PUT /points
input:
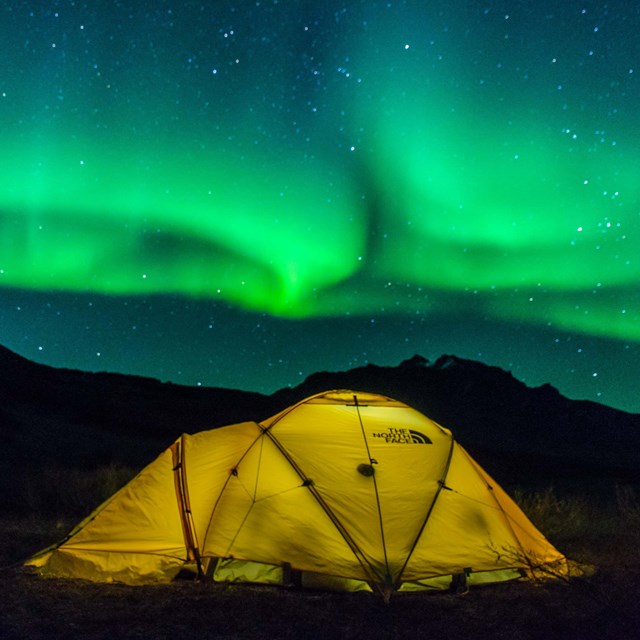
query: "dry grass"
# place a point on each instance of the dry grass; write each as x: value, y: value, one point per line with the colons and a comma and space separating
x: 604, y: 530
x: 603, y: 605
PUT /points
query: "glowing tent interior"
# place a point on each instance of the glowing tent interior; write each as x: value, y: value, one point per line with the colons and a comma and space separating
x: 343, y: 490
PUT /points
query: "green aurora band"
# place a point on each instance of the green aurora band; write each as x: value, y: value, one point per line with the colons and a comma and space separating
x: 406, y: 166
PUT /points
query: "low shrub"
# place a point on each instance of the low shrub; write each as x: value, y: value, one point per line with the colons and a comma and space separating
x: 59, y: 490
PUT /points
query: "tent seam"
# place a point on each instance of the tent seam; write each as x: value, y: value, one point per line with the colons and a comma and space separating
x: 226, y: 482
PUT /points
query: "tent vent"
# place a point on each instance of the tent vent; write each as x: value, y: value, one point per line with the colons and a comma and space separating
x: 366, y: 469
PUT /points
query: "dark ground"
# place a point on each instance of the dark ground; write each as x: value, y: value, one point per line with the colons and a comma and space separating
x: 604, y: 605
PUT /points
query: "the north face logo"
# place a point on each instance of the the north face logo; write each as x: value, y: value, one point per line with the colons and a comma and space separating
x: 399, y: 435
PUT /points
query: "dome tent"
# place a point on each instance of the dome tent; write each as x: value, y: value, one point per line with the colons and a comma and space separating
x: 343, y: 490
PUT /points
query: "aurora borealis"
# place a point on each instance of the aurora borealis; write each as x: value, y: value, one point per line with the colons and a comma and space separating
x: 240, y: 193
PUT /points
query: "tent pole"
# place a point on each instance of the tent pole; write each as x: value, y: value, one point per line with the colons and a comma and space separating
x: 388, y: 580
x: 184, y: 506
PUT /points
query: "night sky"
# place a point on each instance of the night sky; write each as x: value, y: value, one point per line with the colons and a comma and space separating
x: 239, y: 194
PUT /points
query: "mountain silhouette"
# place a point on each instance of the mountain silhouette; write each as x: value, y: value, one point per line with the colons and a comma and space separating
x: 521, y: 434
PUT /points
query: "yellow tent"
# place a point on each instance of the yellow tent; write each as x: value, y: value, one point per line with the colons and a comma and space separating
x: 343, y: 490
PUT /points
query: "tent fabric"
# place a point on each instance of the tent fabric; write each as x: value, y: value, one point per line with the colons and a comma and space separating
x: 344, y: 490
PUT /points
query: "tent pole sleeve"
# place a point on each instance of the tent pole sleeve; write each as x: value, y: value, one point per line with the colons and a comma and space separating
x: 184, y: 506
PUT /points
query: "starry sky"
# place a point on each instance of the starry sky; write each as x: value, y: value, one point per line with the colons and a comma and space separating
x: 241, y: 193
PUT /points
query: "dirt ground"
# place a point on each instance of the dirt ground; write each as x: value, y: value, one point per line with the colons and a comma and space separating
x: 603, y: 605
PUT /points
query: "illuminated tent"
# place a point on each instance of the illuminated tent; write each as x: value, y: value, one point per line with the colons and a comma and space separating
x: 343, y: 490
